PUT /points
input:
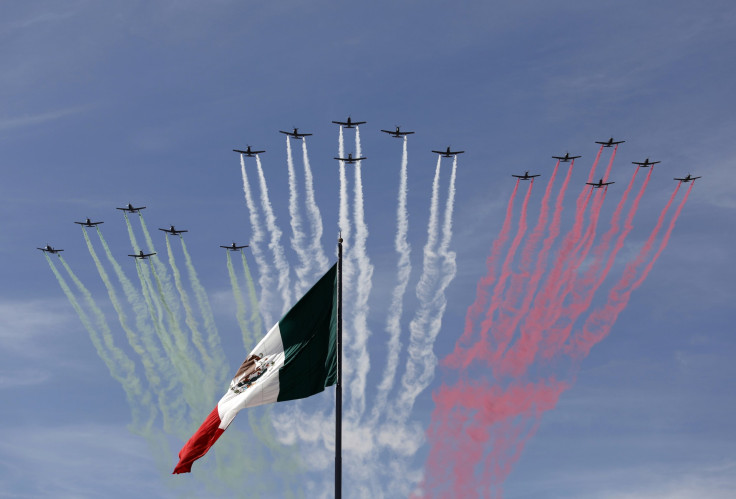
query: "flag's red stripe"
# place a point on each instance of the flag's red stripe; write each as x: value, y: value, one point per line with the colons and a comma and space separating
x: 200, y: 443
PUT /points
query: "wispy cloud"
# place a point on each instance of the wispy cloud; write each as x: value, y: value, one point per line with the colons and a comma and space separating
x: 23, y: 322
x: 24, y: 377
x: 76, y: 461
x: 27, y: 120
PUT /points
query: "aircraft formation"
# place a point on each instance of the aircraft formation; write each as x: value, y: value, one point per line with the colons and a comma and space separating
x: 396, y: 133
x: 172, y: 230
x: 448, y: 152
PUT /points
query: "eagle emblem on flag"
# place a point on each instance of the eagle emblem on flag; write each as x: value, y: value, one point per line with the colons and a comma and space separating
x: 252, y: 368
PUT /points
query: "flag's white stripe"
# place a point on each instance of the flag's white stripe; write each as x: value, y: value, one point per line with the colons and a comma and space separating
x: 266, y: 389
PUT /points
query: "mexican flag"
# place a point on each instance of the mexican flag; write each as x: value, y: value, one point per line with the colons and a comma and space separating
x: 297, y: 358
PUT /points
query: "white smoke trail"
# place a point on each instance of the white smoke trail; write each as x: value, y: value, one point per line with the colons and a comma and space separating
x: 344, y: 217
x: 420, y: 346
x: 347, y: 266
x: 315, y: 218
x: 364, y: 283
x: 266, y: 279
x: 279, y: 259
x: 401, y: 437
x: 298, y: 239
x: 403, y: 270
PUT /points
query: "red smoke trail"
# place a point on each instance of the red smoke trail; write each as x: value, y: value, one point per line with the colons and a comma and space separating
x: 527, y: 256
x: 523, y: 352
x: 507, y: 325
x: 531, y: 317
x: 599, y: 323
x: 591, y: 174
x: 551, y: 288
x: 479, y: 430
x: 587, y: 240
x: 610, y: 163
x: 603, y: 246
x: 572, y: 237
x: 496, y: 299
x: 580, y: 205
x: 462, y: 427
x: 481, y: 296
x: 555, y: 338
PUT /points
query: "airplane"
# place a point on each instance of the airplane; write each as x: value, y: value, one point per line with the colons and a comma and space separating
x: 599, y: 184
x: 350, y: 159
x: 171, y: 230
x: 448, y: 152
x: 398, y: 133
x: 610, y: 142
x: 132, y: 209
x: 49, y: 249
x: 645, y: 164
x: 349, y: 123
x: 687, y: 179
x: 234, y: 247
x: 248, y: 152
x: 142, y: 255
x: 526, y: 176
x: 295, y: 134
x: 566, y: 158
x: 89, y: 223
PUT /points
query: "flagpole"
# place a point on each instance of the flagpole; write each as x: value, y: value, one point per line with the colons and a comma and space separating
x: 338, y: 393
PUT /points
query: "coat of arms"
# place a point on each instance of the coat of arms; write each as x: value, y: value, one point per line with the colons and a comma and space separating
x: 252, y: 368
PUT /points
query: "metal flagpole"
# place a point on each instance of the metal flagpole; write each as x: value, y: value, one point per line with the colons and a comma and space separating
x: 338, y: 393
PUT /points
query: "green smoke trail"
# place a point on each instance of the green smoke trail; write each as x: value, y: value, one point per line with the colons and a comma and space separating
x: 131, y: 234
x: 154, y: 364
x: 213, y: 338
x: 145, y: 397
x: 190, y: 371
x: 160, y: 269
x: 284, y: 459
x: 191, y: 322
x: 255, y: 316
x: 120, y: 366
x: 174, y: 413
x: 190, y: 319
x: 240, y: 304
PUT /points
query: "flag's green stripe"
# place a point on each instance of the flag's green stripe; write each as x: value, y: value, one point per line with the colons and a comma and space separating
x: 309, y: 335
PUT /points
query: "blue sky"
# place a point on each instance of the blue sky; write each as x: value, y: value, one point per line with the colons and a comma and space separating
x: 142, y: 102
